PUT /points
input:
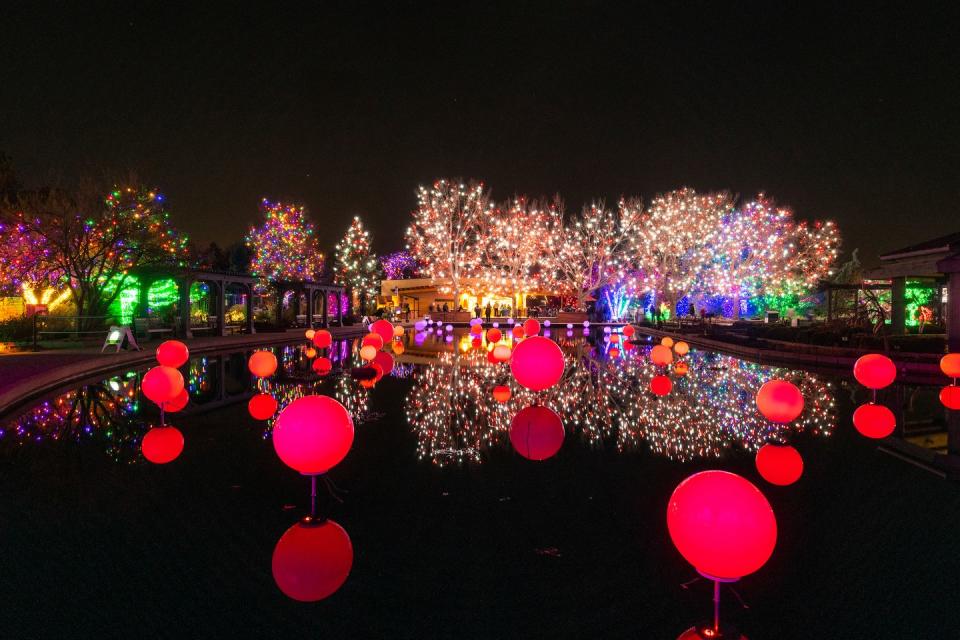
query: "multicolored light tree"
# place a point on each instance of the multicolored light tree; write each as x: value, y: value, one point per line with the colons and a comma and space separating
x: 399, y: 265
x: 285, y: 246
x: 356, y: 266
x: 444, y: 234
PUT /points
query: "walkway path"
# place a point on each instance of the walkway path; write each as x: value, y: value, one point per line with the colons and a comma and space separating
x: 27, y: 375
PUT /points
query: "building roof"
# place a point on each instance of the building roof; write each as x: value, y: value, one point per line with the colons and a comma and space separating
x: 944, y: 244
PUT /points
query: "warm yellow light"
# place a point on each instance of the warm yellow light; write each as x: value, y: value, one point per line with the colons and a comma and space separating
x: 47, y: 297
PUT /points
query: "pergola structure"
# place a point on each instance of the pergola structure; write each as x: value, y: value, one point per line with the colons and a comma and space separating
x: 218, y: 281
x: 310, y: 290
x: 937, y: 259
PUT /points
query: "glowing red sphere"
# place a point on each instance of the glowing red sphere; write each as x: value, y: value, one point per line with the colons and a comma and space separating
x: 178, y: 403
x: 162, y: 384
x: 372, y: 339
x: 492, y: 358
x: 950, y: 365
x: 667, y: 341
x: 384, y: 329
x: 682, y: 348
x: 172, y: 353
x: 476, y: 329
x: 660, y: 385
x: 368, y: 352
x: 537, y: 363
x: 874, y: 420
x: 322, y: 366
x: 614, y: 352
x: 721, y: 524
x: 161, y: 445
x: 385, y: 362
x: 262, y: 364
x: 309, y: 333
x: 681, y: 368
x: 312, y: 560
x: 476, y: 343
x: 501, y: 393
x: 536, y: 433
x: 615, y: 338
x: 312, y: 434
x: 322, y: 338
x: 780, y: 401
x: 874, y: 371
x: 518, y: 331
x: 501, y: 353
x: 950, y: 397
x: 531, y: 327
x: 629, y: 330
x: 262, y: 406
x: 661, y: 355
x: 494, y: 335
x: 779, y: 464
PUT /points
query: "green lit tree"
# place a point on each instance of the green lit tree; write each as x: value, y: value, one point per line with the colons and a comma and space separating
x: 356, y: 266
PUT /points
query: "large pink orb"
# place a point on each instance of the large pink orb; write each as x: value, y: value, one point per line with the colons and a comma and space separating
x: 780, y: 401
x: 161, y: 445
x: 162, y: 384
x: 537, y: 363
x: 312, y: 560
x: 383, y: 328
x: 172, y: 353
x: 874, y: 371
x: 312, y: 434
x: 536, y: 433
x: 721, y: 524
x: 874, y: 420
x: 779, y: 464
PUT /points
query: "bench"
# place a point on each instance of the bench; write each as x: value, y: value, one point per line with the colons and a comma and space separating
x: 147, y: 327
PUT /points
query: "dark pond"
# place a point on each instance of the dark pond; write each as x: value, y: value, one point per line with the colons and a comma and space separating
x: 454, y: 534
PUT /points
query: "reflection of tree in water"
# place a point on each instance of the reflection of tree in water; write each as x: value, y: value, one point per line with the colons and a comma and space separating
x: 710, y: 409
x: 106, y: 412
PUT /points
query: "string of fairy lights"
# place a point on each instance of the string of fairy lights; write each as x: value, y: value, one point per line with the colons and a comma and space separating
x: 285, y: 245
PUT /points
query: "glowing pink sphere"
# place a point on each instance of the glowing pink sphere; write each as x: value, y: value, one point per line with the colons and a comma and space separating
x: 162, y: 384
x: 661, y: 355
x: 531, y: 327
x: 874, y: 420
x: 721, y: 524
x: 950, y: 397
x: 172, y: 353
x: 178, y: 403
x: 262, y: 364
x: 384, y: 329
x: 874, y: 371
x: 322, y: 366
x: 262, y: 406
x: 536, y: 433
x: 537, y: 363
x: 161, y: 445
x: 312, y: 560
x: 780, y: 401
x: 779, y: 464
x: 660, y: 385
x: 313, y: 434
x: 322, y: 338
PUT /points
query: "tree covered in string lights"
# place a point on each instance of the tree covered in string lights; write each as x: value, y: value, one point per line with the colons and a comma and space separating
x: 285, y: 245
x: 595, y: 250
x: 444, y: 234
x: 399, y: 265
x: 356, y: 266
x: 91, y: 243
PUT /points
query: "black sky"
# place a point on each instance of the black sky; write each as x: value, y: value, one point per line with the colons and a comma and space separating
x: 843, y: 113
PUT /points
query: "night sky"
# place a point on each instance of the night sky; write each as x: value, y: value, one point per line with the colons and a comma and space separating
x: 852, y: 115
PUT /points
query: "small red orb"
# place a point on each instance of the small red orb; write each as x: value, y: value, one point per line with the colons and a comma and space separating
x: 536, y: 433
x: 476, y: 343
x: 161, y: 445
x: 322, y: 366
x: 874, y: 371
x: 779, y: 464
x: 614, y: 352
x: 874, y: 420
x: 172, y: 353
x: 322, y: 338
x: 383, y: 328
x: 518, y: 331
x: 262, y: 364
x: 501, y: 393
x: 501, y: 353
x: 368, y: 352
x: 312, y: 560
x: 372, y: 339
x: 537, y: 363
x: 494, y: 335
x: 660, y: 385
x: 950, y: 397
x: 162, y: 384
x: 385, y: 361
x: 721, y: 524
x: 178, y: 403
x: 780, y: 401
x: 312, y: 434
x: 615, y: 338
x: 262, y: 406
x: 629, y: 330
x: 681, y: 368
x: 476, y: 329
x: 661, y: 355
x: 531, y: 327
x: 950, y: 365
x: 492, y: 358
